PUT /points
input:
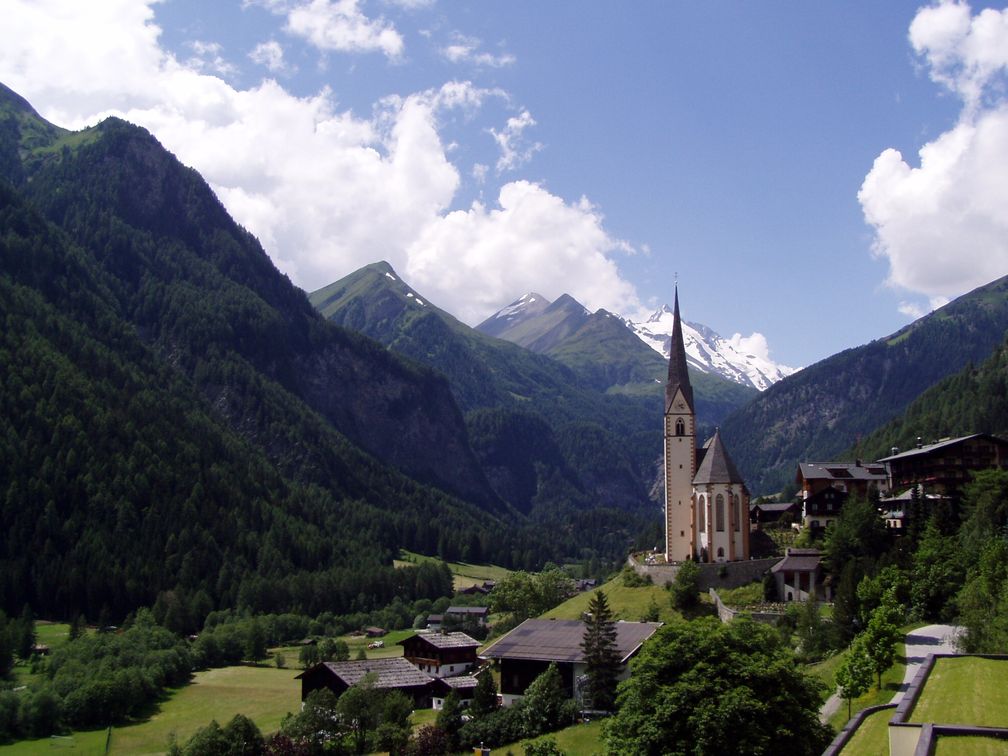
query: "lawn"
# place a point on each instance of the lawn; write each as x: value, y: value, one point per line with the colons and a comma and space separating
x: 264, y: 694
x: 626, y: 603
x: 466, y: 575
x: 86, y: 743
x: 970, y: 745
x: 967, y: 690
x: 354, y: 643
x: 872, y: 737
x: 577, y: 740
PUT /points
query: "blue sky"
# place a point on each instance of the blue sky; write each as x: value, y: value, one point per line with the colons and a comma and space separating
x: 486, y: 149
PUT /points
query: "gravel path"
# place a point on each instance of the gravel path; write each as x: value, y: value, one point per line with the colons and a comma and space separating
x: 931, y: 639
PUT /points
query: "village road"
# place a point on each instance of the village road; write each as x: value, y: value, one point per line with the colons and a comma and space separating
x: 931, y: 639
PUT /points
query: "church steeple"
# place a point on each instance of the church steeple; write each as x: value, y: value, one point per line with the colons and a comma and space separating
x: 678, y: 376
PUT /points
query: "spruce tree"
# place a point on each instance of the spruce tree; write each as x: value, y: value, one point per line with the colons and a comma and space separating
x: 601, y: 658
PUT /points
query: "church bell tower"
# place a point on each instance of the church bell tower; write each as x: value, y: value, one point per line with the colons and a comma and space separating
x: 680, y: 450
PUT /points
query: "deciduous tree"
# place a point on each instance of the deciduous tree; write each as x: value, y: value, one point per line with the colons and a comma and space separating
x: 703, y: 687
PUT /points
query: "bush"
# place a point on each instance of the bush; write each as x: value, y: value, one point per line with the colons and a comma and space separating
x: 685, y: 587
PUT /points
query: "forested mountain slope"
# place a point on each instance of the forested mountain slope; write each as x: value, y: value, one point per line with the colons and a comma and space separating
x: 544, y: 437
x: 177, y: 417
x: 826, y: 408
x: 974, y: 400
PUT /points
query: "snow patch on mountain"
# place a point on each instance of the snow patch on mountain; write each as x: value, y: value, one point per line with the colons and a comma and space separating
x: 743, y: 359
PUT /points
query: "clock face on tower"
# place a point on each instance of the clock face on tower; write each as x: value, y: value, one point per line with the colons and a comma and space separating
x: 680, y: 405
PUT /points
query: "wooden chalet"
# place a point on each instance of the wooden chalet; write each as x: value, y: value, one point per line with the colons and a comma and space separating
x: 944, y: 466
x: 527, y: 651
x: 463, y: 685
x: 768, y: 512
x: 818, y: 480
x: 394, y: 673
x: 441, y: 654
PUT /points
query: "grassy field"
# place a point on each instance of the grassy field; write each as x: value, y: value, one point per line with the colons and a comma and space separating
x: 891, y: 681
x: 965, y: 691
x: 577, y: 740
x: 872, y: 737
x: 626, y: 603
x: 970, y: 745
x: 466, y: 575
x: 264, y: 694
x: 83, y: 743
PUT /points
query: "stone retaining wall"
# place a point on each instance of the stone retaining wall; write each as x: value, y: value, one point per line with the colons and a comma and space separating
x: 718, y: 575
x: 727, y: 614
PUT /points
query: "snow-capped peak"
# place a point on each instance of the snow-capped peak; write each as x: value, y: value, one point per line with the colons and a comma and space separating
x: 743, y: 359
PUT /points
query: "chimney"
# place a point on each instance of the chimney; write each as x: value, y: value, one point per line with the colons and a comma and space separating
x: 895, y: 451
x: 919, y: 442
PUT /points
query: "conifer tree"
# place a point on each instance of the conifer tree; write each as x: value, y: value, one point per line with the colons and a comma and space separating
x: 601, y: 658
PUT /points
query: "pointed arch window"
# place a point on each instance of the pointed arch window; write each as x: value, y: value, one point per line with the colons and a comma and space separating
x: 719, y: 513
x: 702, y: 514
x: 680, y: 427
x: 737, y: 512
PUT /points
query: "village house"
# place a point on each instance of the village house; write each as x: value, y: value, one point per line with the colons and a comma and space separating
x: 395, y: 673
x: 463, y: 685
x: 944, y: 466
x: 527, y: 651
x: 441, y: 654
x: 826, y: 486
x: 462, y: 615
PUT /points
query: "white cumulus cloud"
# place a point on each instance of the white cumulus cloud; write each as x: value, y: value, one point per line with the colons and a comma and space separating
x: 326, y: 191
x: 514, y: 152
x: 467, y: 50
x: 270, y: 55
x: 340, y: 25
x: 942, y: 225
x: 530, y: 240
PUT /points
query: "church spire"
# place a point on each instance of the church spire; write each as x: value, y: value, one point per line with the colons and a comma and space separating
x: 678, y: 376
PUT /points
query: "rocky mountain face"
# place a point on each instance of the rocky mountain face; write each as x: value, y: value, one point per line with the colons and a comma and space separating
x: 710, y: 352
x: 826, y: 408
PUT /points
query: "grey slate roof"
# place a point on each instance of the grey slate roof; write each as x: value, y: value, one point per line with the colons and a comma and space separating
x: 394, y: 672
x: 927, y: 448
x: 560, y: 640
x: 799, y: 560
x: 717, y: 466
x: 841, y: 471
x: 445, y: 640
x: 678, y: 374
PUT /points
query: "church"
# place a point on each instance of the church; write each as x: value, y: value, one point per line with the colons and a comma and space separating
x: 706, y: 500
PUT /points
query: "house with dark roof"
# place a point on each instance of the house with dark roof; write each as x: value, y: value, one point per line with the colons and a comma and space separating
x: 441, y: 654
x: 395, y: 673
x: 768, y: 512
x: 463, y: 685
x: 944, y: 466
x: 825, y: 487
x: 467, y: 614
x: 799, y: 575
x: 527, y: 651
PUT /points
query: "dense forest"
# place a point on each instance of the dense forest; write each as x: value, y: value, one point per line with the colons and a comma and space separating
x: 176, y: 417
x: 974, y: 400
